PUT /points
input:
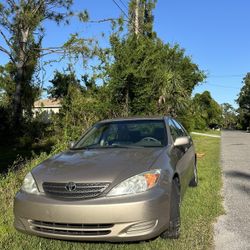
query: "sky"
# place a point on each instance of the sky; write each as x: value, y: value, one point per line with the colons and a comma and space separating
x: 214, y: 33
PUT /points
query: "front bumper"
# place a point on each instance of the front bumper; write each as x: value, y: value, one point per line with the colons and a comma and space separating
x: 128, y: 218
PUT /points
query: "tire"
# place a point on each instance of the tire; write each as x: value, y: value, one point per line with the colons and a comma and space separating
x: 173, y: 231
x: 194, y: 181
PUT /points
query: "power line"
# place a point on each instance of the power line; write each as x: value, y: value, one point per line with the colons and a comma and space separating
x: 121, y: 1
x: 114, y: 1
x: 129, y: 19
x: 209, y: 76
x: 127, y: 2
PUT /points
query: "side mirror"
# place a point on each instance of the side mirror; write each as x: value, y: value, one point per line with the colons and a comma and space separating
x: 71, y: 144
x: 181, y: 141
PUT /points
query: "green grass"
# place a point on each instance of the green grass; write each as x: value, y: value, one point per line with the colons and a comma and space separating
x: 210, y: 131
x: 199, y: 210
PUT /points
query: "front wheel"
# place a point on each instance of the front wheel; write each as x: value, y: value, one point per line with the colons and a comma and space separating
x: 173, y: 231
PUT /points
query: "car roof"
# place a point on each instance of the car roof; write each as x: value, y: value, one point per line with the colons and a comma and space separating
x: 136, y: 118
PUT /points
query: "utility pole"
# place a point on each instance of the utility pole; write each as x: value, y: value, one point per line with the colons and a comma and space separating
x: 136, y: 17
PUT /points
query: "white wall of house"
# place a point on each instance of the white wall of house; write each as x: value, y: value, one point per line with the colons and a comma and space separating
x: 45, y: 108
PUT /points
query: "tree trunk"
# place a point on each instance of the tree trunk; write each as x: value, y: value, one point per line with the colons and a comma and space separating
x: 17, y: 100
x: 20, y: 78
x: 136, y: 22
x: 127, y: 102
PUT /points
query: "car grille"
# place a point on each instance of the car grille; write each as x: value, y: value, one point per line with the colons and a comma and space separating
x: 81, y: 191
x: 71, y: 229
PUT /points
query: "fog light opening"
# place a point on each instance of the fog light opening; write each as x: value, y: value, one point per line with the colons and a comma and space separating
x: 142, y: 227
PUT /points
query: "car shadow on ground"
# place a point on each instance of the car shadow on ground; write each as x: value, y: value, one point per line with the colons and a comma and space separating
x: 238, y: 174
x: 243, y: 188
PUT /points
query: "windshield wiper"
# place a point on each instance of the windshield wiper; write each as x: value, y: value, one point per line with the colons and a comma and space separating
x: 123, y: 146
x: 106, y: 147
x: 80, y: 148
x: 117, y: 146
x: 85, y: 147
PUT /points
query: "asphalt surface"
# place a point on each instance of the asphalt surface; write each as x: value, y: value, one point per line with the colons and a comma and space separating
x: 232, y: 230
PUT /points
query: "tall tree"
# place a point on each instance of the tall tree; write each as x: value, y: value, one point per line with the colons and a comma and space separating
x: 61, y: 83
x: 207, y: 109
x: 244, y: 102
x: 141, y: 17
x: 6, y: 85
x: 148, y: 77
x: 229, y: 116
x: 22, y: 31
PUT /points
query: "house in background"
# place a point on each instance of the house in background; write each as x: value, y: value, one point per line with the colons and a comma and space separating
x: 46, y: 107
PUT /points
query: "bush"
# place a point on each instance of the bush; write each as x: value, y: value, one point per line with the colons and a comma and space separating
x: 5, y: 125
x: 79, y: 112
x: 187, y: 121
x: 200, y: 123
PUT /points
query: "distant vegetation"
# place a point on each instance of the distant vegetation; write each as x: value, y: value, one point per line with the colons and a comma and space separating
x: 244, y: 103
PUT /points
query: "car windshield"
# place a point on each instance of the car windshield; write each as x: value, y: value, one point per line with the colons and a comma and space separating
x: 129, y: 133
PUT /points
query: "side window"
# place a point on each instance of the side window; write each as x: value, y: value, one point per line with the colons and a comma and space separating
x: 93, y: 138
x: 180, y: 130
x: 184, y: 130
x: 173, y: 130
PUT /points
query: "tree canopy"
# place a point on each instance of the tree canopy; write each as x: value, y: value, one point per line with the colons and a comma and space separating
x: 244, y: 102
x: 137, y: 74
x: 61, y: 83
x: 21, y: 28
x: 146, y: 76
x: 229, y: 115
x: 207, y: 111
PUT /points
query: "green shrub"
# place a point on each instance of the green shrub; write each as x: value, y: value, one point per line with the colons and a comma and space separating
x: 200, y: 123
x: 79, y: 112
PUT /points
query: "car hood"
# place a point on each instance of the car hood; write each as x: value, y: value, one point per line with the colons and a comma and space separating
x: 96, y: 165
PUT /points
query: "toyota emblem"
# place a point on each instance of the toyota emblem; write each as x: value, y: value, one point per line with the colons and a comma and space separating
x: 71, y: 186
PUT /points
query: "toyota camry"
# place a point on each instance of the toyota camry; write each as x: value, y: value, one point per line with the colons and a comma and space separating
x: 123, y: 180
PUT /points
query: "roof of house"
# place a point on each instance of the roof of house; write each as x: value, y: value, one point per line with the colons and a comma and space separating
x: 47, y: 103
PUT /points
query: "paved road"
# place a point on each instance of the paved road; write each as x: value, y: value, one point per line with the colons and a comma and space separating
x: 232, y: 231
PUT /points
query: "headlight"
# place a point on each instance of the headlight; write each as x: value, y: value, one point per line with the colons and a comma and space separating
x: 29, y: 184
x: 136, y: 184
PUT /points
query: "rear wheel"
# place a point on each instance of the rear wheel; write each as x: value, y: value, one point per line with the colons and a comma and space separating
x: 194, y: 181
x: 173, y: 231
